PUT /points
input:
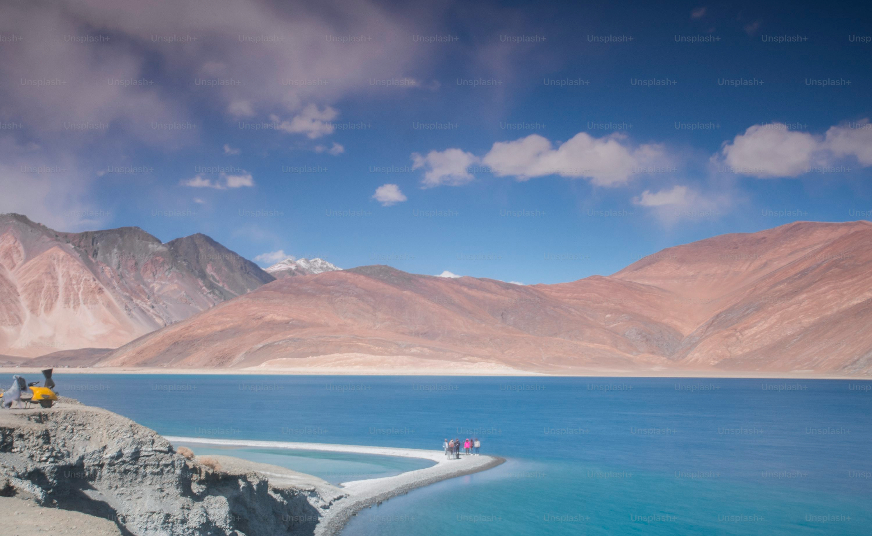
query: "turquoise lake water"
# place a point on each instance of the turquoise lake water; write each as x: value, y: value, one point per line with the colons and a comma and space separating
x: 334, y: 467
x: 585, y: 456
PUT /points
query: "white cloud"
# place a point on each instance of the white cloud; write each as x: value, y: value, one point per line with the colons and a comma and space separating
x: 201, y: 182
x: 680, y: 203
x: 389, y: 194
x: 448, y: 167
x: 771, y: 150
x: 678, y: 195
x: 335, y: 150
x: 223, y: 183
x: 277, y: 78
x: 199, y: 201
x: 228, y: 150
x: 312, y: 122
x: 698, y: 13
x: 144, y: 49
x: 240, y: 108
x: 448, y: 274
x: 852, y: 140
x: 606, y: 161
x: 271, y: 257
x: 516, y: 283
x: 56, y: 197
x: 518, y: 157
x: 238, y: 181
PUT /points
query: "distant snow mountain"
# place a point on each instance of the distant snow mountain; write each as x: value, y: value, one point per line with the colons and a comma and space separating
x: 293, y: 266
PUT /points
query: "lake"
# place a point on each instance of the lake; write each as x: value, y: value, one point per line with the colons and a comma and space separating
x: 585, y: 455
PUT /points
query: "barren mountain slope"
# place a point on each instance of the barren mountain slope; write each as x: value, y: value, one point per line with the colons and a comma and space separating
x: 63, y: 291
x: 381, y: 311
x: 794, y: 298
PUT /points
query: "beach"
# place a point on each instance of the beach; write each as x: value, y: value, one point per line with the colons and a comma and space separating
x: 447, y: 370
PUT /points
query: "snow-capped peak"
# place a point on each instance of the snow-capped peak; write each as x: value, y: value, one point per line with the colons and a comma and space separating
x: 293, y: 266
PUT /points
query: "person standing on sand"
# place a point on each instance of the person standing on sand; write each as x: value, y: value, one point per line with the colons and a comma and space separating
x: 457, y: 448
x: 476, y: 443
x: 445, y: 447
x: 466, y: 446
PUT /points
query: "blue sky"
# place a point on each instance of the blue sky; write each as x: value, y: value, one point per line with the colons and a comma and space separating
x: 525, y: 142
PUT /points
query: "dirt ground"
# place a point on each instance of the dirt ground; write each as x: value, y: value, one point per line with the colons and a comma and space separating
x: 24, y: 518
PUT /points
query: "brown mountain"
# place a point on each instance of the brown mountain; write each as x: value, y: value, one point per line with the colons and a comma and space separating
x: 797, y: 298
x: 64, y: 291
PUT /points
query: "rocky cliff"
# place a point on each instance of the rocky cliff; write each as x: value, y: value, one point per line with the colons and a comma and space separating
x: 88, y: 460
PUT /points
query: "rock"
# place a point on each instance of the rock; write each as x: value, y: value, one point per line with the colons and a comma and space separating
x: 95, y: 462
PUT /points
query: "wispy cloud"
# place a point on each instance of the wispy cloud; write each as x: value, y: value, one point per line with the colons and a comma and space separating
x: 336, y: 149
x: 678, y: 195
x: 686, y: 203
x: 312, y: 122
x: 752, y: 27
x: 272, y: 257
x: 224, y: 181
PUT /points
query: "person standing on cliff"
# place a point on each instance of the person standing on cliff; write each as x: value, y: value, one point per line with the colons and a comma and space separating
x: 477, y: 445
x: 13, y: 394
x: 445, y: 445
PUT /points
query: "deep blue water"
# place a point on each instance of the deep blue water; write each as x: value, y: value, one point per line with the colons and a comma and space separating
x: 586, y: 456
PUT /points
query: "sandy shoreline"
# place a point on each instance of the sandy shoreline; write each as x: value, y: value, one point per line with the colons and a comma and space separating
x: 687, y: 374
x: 365, y: 493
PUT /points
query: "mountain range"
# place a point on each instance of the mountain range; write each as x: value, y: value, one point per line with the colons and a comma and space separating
x: 62, y: 291
x: 793, y: 299
x: 797, y: 298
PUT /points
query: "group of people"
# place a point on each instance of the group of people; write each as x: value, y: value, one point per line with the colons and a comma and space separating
x: 452, y: 447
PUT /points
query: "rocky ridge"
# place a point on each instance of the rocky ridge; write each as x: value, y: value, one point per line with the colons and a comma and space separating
x: 89, y: 460
x: 101, y: 289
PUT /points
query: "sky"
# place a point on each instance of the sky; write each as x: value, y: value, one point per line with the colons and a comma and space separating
x: 522, y: 141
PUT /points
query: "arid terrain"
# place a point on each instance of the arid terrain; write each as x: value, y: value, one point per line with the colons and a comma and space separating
x: 795, y: 299
x: 791, y: 299
x: 63, y: 291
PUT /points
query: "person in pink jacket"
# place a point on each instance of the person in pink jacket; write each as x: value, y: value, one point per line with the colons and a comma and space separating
x: 466, y: 445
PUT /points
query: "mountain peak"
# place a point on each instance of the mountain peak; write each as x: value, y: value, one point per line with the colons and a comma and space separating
x: 104, y: 288
x: 292, y: 266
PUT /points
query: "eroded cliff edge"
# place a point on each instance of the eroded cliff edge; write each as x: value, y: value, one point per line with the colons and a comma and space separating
x: 89, y: 460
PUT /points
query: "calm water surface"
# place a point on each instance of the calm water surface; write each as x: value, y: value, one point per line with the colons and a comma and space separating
x: 585, y: 456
